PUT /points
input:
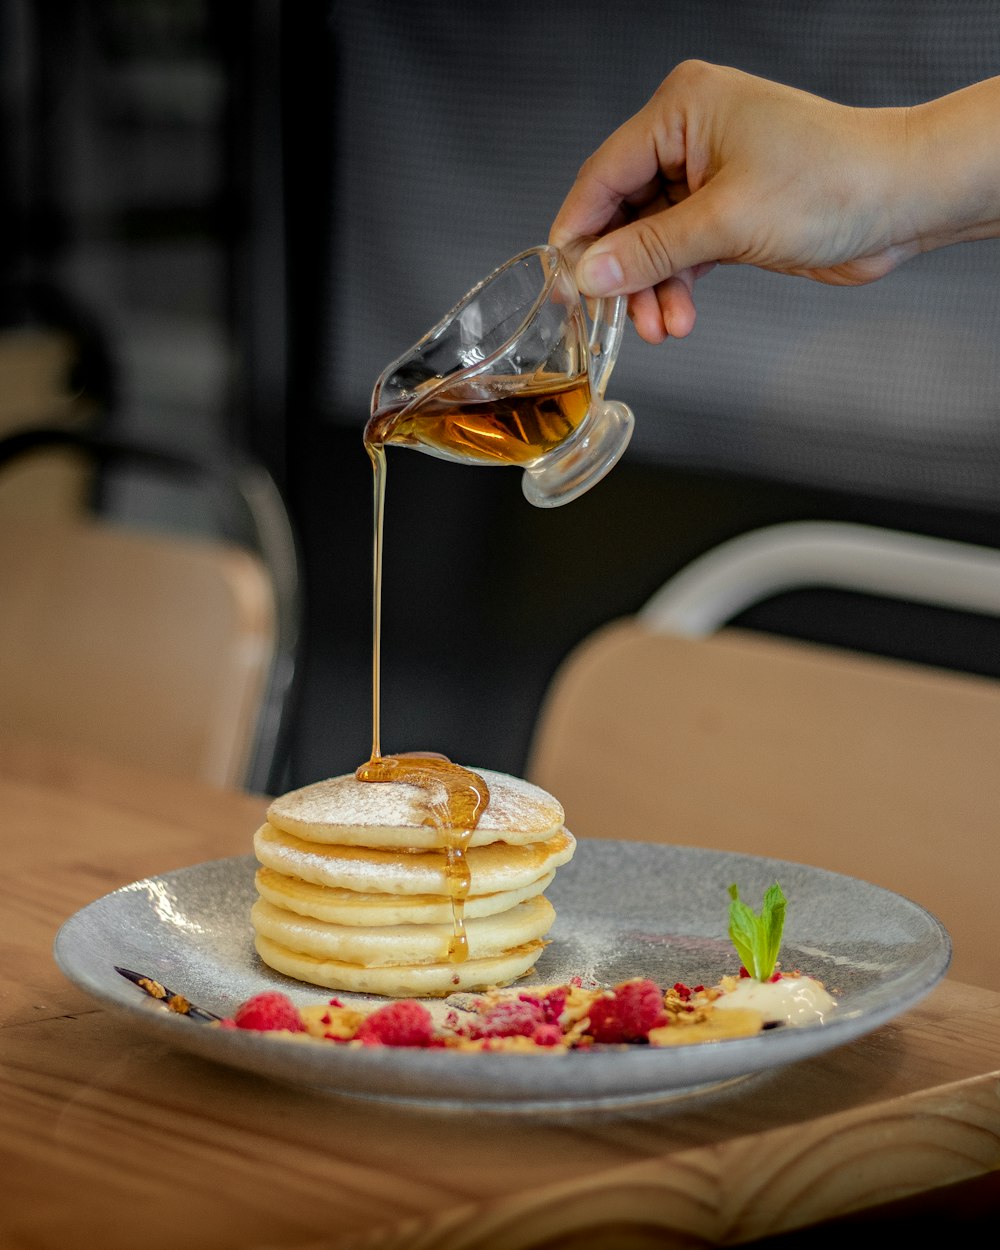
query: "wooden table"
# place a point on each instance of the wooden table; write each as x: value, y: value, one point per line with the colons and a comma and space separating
x: 110, y: 1139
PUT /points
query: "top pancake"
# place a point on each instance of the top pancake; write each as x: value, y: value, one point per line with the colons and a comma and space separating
x: 346, y: 812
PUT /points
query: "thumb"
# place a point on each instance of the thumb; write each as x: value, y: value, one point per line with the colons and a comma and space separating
x: 652, y: 249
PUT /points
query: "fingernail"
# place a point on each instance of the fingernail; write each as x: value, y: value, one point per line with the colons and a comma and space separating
x: 600, y: 274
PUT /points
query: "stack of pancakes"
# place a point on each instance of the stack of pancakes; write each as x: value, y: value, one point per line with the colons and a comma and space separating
x: 354, y: 892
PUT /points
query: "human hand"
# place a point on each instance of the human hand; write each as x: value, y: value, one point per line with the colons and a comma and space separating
x: 720, y: 167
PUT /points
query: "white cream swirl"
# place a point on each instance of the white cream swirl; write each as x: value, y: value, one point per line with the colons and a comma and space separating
x: 792, y: 999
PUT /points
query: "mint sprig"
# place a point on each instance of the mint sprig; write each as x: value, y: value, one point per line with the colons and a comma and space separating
x: 757, y: 938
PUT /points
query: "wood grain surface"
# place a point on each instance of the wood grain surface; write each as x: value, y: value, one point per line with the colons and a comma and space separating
x: 110, y: 1139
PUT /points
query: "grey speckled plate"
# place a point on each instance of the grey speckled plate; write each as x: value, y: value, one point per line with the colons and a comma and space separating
x: 624, y: 909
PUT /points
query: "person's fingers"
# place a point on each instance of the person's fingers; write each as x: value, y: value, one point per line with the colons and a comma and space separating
x: 644, y: 311
x: 667, y: 310
x: 622, y: 175
x: 675, y: 298
x: 694, y: 232
x: 590, y: 209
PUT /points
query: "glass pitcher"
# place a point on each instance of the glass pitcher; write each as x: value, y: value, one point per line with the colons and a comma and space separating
x: 511, y: 376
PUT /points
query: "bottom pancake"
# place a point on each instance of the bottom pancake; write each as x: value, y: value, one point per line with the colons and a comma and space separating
x: 404, y: 980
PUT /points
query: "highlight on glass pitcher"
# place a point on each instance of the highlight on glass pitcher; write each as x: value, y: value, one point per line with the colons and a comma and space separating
x: 511, y: 376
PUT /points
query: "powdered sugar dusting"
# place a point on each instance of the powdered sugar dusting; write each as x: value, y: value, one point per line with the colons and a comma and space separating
x: 515, y: 806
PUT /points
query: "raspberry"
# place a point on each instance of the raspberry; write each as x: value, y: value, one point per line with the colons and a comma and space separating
x: 269, y: 1011
x: 551, y: 1005
x: 633, y: 1008
x: 547, y: 1035
x: 519, y: 1018
x: 402, y: 1023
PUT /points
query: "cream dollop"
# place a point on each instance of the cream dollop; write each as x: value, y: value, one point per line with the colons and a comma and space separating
x: 793, y: 1000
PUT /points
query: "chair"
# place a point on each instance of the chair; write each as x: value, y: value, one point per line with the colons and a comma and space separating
x: 171, y: 650
x: 672, y: 725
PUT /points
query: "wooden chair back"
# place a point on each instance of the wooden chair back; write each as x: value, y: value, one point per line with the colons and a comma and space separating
x: 880, y: 769
x: 149, y: 648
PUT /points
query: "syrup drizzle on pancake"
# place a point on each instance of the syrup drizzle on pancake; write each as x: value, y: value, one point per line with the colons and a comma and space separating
x: 465, y: 794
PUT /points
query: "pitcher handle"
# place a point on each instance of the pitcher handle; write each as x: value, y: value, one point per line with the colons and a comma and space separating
x: 607, y: 327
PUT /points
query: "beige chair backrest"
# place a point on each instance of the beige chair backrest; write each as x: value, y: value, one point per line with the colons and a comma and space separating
x: 149, y: 648
x: 884, y: 770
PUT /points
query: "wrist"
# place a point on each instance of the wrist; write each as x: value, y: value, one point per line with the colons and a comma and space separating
x: 951, y: 172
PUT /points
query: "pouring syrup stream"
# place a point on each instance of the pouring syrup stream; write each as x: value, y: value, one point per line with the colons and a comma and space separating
x: 454, y: 797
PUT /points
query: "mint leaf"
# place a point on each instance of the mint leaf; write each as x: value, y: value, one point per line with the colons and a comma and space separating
x: 757, y: 938
x: 742, y: 930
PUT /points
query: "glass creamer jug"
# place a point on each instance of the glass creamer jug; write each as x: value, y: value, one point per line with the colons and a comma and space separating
x: 511, y: 376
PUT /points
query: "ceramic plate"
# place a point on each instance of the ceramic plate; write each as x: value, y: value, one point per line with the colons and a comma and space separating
x: 624, y: 909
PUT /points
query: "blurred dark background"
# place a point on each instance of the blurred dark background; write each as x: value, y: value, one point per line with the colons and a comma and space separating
x: 243, y: 211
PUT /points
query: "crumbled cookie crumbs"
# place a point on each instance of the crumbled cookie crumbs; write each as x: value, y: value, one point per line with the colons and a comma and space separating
x: 543, y: 1020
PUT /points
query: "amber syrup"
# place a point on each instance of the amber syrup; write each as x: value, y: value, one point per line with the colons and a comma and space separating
x: 505, y: 420
x: 454, y: 797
